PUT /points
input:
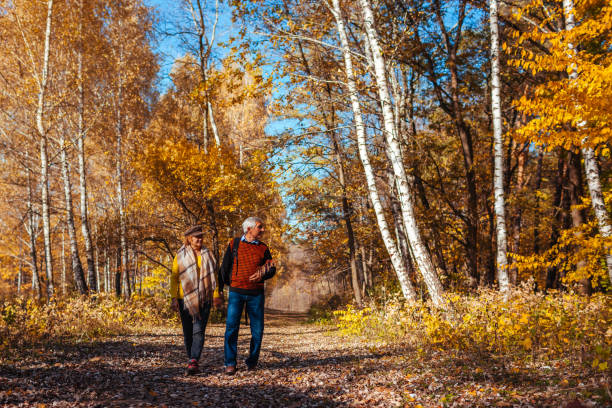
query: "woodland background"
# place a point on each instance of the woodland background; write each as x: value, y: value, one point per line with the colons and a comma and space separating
x: 448, y: 155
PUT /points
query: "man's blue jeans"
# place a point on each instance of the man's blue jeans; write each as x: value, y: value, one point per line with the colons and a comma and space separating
x: 255, y: 310
x: 194, y: 329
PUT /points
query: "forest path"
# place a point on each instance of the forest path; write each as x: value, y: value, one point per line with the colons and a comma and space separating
x: 300, y: 366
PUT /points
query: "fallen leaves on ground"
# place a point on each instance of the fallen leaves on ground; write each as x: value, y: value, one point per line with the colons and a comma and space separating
x: 300, y: 366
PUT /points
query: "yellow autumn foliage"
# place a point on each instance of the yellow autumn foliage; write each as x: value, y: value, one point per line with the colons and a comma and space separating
x: 525, y: 327
x: 26, y: 322
x: 563, y: 111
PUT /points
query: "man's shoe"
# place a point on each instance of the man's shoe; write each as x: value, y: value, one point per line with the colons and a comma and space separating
x: 251, y: 367
x: 193, y: 367
x: 230, y: 370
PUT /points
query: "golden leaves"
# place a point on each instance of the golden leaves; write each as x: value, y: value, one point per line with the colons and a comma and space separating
x: 573, y: 106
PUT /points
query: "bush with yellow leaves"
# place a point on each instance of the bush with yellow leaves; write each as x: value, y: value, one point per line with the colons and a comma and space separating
x: 25, y: 322
x: 526, y: 326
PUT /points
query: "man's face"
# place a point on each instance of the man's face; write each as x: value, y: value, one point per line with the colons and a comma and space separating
x: 257, y: 231
x: 195, y: 242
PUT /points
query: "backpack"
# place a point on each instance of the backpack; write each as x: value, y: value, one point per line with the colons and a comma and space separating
x: 227, y: 278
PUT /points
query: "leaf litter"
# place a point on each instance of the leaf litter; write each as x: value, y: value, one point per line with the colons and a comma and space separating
x: 300, y: 366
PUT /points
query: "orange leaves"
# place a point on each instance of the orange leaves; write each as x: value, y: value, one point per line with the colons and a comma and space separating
x: 566, y: 111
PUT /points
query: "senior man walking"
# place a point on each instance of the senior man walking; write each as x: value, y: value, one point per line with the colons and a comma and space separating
x: 247, y: 263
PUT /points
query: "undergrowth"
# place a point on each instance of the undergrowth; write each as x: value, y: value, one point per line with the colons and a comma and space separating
x: 26, y: 322
x: 526, y: 327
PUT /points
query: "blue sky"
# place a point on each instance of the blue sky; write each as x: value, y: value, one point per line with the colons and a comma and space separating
x: 170, y: 13
x: 170, y: 46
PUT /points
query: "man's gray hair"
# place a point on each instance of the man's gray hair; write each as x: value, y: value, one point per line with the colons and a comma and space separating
x: 250, y: 222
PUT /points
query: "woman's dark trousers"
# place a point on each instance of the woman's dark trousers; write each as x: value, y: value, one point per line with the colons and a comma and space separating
x: 194, y: 329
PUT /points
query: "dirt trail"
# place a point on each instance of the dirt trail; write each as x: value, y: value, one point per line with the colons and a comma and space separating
x: 300, y: 366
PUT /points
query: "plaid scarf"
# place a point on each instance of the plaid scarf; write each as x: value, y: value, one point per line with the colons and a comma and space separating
x: 196, y: 291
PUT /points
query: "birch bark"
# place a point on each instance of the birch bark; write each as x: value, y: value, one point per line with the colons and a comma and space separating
x: 44, y: 175
x: 63, y: 263
x: 77, y: 267
x: 498, y: 143
x: 36, y: 289
x: 422, y: 259
x: 396, y: 260
x: 91, y: 274
x: 588, y: 154
x: 213, y: 125
x: 122, y: 284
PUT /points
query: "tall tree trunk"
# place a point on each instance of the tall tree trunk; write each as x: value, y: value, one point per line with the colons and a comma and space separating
x: 44, y: 175
x: 97, y: 268
x: 107, y: 277
x: 398, y: 265
x: 63, y: 262
x: 455, y: 111
x: 597, y: 201
x: 538, y: 185
x: 346, y: 215
x: 416, y: 173
x: 422, y: 259
x: 498, y: 142
x: 118, y: 273
x: 517, y: 219
x: 36, y: 289
x: 91, y: 274
x: 347, y: 209
x: 578, y: 217
x: 213, y: 125
x: 205, y: 130
x: 562, y: 219
x: 418, y: 183
x: 77, y: 267
x: 588, y: 154
x: 123, y: 251
x: 398, y: 224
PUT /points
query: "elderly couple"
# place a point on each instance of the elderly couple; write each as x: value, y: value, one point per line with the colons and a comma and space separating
x: 247, y: 263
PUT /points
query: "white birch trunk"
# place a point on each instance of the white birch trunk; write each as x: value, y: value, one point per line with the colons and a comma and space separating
x: 123, y: 283
x: 422, y: 259
x: 97, y: 267
x: 36, y: 290
x: 498, y: 143
x: 122, y: 227
x: 396, y: 260
x: 44, y: 175
x: 77, y: 267
x: 588, y: 154
x: 213, y: 125
x: 63, y: 263
x: 91, y: 276
x: 205, y: 130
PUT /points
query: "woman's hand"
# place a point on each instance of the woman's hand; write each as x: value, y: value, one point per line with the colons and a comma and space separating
x: 218, y: 301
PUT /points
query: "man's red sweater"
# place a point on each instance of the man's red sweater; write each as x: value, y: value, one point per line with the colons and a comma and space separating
x: 249, y: 258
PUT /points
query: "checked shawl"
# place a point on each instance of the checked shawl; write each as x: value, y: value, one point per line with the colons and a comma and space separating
x: 197, y: 287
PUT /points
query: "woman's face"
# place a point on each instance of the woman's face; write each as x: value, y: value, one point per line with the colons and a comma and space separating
x: 195, y: 242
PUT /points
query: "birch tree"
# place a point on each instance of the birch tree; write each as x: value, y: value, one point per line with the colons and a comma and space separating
x: 422, y: 259
x: 80, y: 144
x: 76, y: 266
x: 397, y: 262
x: 498, y: 143
x: 44, y: 162
x: 588, y: 153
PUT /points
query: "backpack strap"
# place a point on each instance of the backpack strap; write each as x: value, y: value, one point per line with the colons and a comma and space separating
x: 234, y: 256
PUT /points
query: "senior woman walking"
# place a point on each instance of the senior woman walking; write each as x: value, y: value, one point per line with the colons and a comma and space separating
x: 192, y: 284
